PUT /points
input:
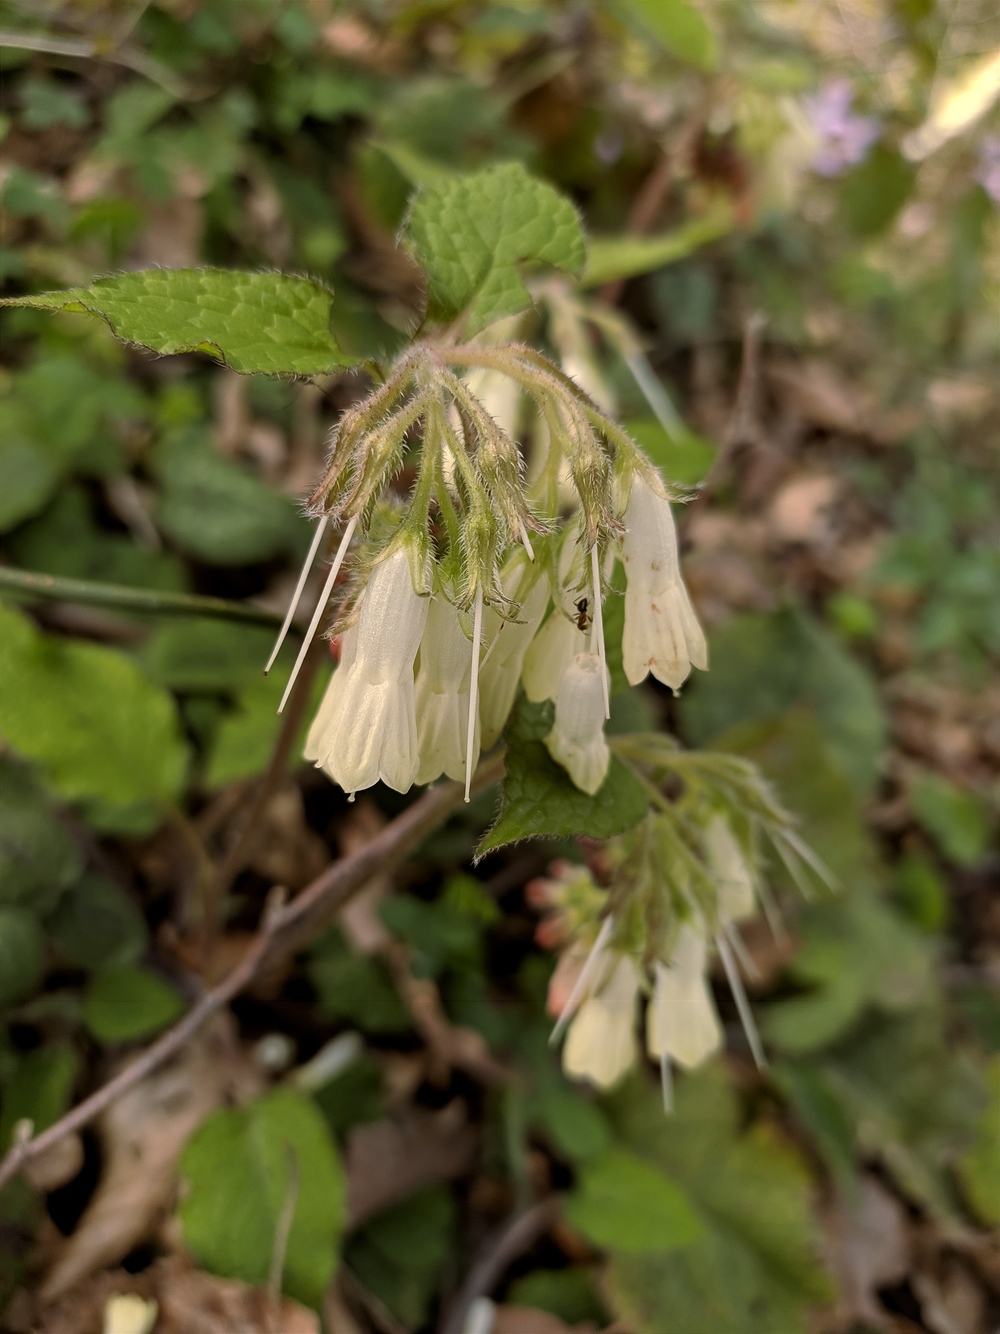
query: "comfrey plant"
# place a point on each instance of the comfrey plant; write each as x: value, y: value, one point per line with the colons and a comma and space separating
x: 489, y: 577
x: 453, y: 585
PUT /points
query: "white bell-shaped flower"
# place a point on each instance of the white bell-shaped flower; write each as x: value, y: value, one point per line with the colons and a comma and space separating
x: 577, y: 740
x: 560, y: 639
x: 600, y: 1043
x: 334, y: 689
x: 509, y: 642
x: 442, y: 695
x: 371, y: 730
x: 732, y: 875
x: 662, y: 634
x: 681, y: 1021
x: 549, y: 654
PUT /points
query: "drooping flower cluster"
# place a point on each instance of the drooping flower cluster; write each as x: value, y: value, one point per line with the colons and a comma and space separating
x: 492, y: 572
x: 642, y: 921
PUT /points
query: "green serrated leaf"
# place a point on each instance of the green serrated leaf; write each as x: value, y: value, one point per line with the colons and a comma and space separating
x: 471, y: 233
x: 239, y: 1173
x: 539, y: 800
x: 96, y: 727
x: 755, y: 1269
x: 126, y: 1003
x: 625, y: 1204
x: 267, y: 322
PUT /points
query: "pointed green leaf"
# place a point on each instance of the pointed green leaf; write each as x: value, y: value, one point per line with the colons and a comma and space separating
x: 610, y: 258
x: 126, y: 1003
x: 268, y: 322
x: 626, y: 1204
x: 539, y: 799
x: 470, y: 234
x: 95, y: 726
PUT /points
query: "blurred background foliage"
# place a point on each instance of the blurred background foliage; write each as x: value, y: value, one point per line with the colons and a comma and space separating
x: 797, y: 207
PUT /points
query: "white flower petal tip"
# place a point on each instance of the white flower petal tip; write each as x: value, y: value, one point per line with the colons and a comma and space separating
x: 577, y: 740
x: 681, y: 1022
x: 442, y: 695
x: 366, y: 728
x: 732, y: 875
x: 601, y: 1043
x: 662, y: 634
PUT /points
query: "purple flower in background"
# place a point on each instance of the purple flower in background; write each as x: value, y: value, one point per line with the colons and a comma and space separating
x: 988, y: 171
x: 845, y: 137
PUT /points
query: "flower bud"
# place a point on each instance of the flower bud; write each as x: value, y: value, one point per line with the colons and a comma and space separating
x: 733, y: 879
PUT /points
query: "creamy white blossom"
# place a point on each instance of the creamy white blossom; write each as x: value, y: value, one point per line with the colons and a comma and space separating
x: 549, y: 654
x: 600, y: 1043
x: 508, y: 642
x: 662, y: 634
x: 577, y: 740
x: 442, y: 695
x: 371, y: 730
x: 348, y: 652
x: 733, y: 878
x: 681, y: 1021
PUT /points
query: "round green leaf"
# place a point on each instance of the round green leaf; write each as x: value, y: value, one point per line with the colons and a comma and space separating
x: 241, y: 1166
x: 128, y: 1003
x: 22, y: 954
x: 96, y: 925
x: 625, y: 1204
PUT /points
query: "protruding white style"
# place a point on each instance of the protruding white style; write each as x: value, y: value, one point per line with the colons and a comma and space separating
x: 526, y: 542
x: 584, y: 978
x: 733, y: 877
x: 371, y: 730
x: 321, y: 605
x: 681, y: 1021
x: 577, y: 740
x: 662, y: 634
x: 504, y: 659
x: 595, y: 579
x: 442, y: 695
x: 296, y: 596
x: 473, y: 724
x: 601, y: 1045
x: 742, y: 1004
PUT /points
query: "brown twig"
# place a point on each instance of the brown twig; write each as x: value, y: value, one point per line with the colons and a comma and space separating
x: 512, y: 1240
x: 285, y: 928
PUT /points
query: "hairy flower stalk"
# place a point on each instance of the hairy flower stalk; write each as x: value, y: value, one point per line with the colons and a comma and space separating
x: 475, y: 504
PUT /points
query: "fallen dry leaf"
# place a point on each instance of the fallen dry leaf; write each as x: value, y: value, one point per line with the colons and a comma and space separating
x: 388, y: 1160
x: 142, y: 1134
x: 189, y: 1301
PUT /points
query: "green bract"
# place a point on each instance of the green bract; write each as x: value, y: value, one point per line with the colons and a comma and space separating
x: 268, y: 322
x: 470, y: 234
